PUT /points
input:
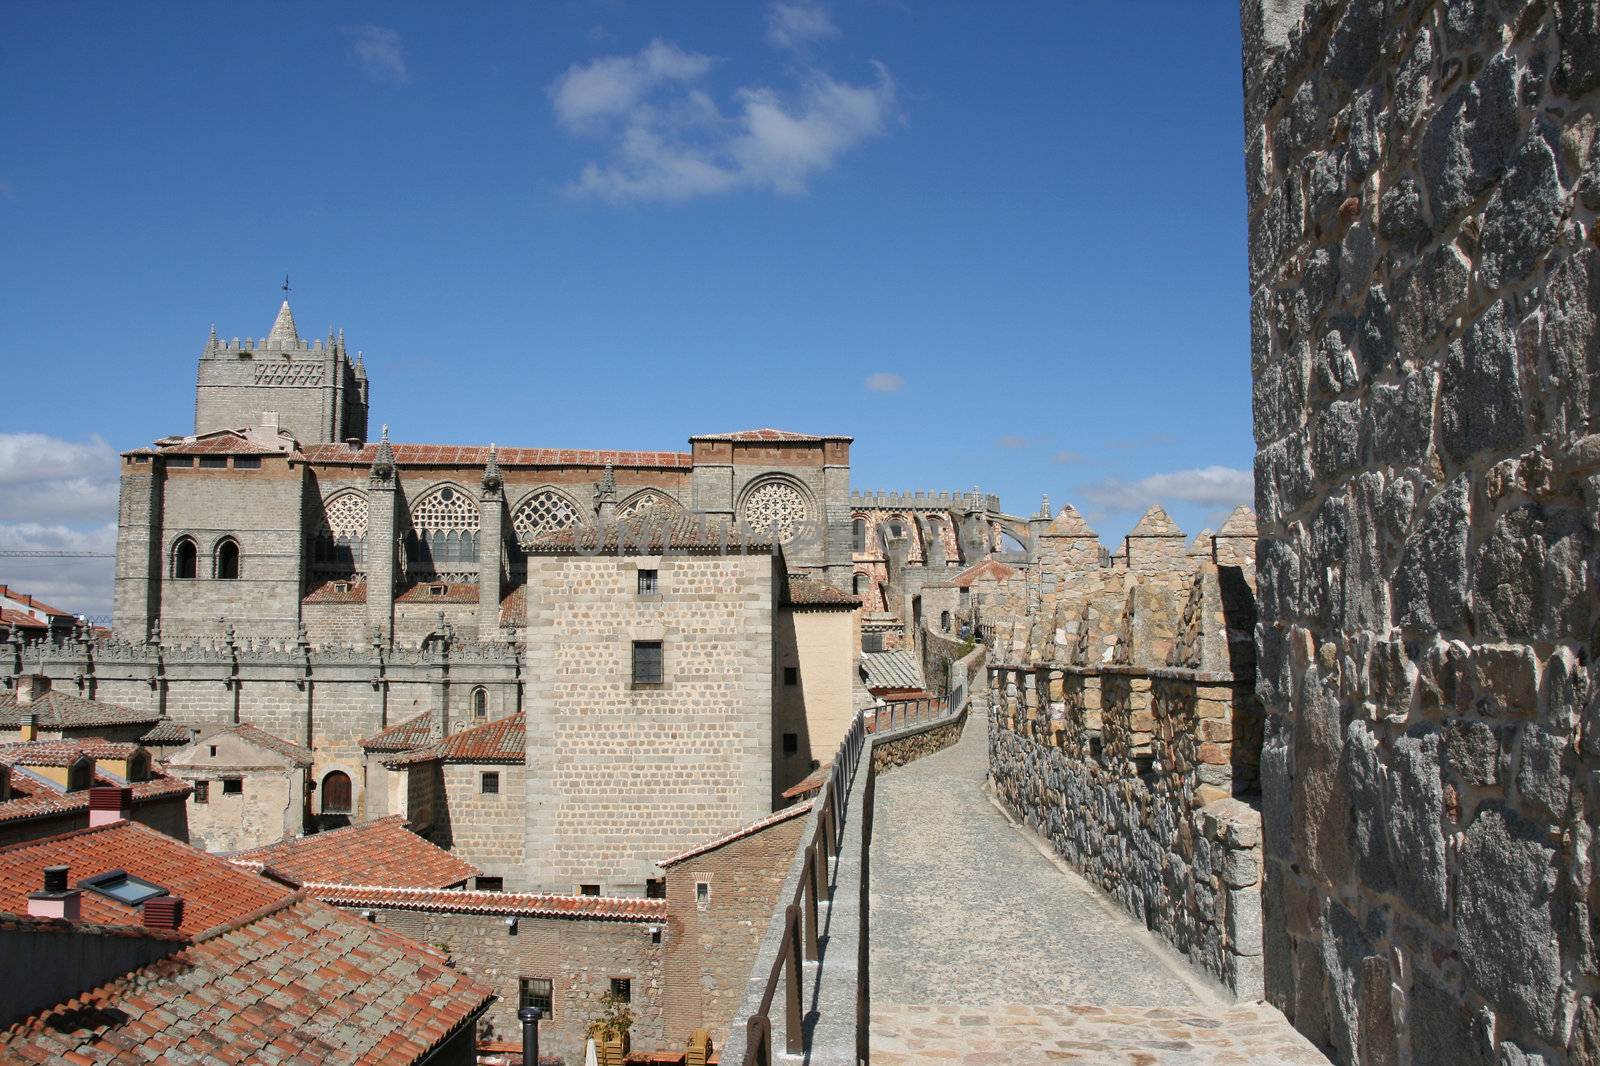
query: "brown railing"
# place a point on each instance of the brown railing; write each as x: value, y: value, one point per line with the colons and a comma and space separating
x: 898, y: 713
x: 801, y: 923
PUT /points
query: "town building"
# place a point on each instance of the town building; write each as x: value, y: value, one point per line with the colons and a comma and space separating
x: 249, y: 788
x: 52, y: 786
x: 33, y: 710
x: 33, y: 618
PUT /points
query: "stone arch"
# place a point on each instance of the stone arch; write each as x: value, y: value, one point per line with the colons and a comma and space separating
x: 225, y: 559
x: 777, y: 500
x: 646, y: 500
x: 339, y: 541
x: 185, y: 558
x: 443, y: 530
x: 337, y: 793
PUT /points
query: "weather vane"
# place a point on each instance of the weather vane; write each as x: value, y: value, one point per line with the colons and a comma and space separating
x: 286, y: 286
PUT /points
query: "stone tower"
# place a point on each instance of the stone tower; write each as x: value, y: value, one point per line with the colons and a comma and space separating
x: 317, y: 391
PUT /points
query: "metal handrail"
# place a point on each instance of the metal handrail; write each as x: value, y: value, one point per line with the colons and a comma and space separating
x: 801, y: 923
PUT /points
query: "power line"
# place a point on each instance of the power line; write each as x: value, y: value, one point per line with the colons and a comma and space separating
x: 21, y: 553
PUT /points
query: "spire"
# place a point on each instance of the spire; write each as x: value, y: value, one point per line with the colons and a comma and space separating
x: 491, y: 474
x: 212, y: 341
x: 1044, y: 506
x: 383, y: 461
x: 605, y: 494
x: 283, y: 334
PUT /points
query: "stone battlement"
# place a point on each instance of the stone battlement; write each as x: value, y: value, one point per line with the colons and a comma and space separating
x: 874, y: 499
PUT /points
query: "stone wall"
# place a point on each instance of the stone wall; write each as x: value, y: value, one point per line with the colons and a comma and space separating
x: 484, y: 829
x: 1422, y: 182
x: 912, y: 743
x: 579, y: 957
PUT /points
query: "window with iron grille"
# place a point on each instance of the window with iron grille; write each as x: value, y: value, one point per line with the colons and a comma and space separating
x: 491, y: 784
x: 202, y: 791
x: 536, y: 992
x: 647, y: 662
x: 649, y: 582
x: 622, y: 989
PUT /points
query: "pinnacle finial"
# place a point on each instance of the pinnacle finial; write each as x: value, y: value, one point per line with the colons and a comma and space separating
x: 1044, y: 506
x: 605, y: 492
x: 383, y: 460
x: 283, y: 333
x: 491, y: 473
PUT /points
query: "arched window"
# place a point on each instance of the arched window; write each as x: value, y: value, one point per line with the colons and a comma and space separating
x: 444, y: 532
x: 543, y: 510
x: 480, y: 702
x: 858, y: 535
x: 858, y: 584
x: 185, y: 558
x: 228, y: 559
x: 336, y: 793
x: 339, y: 545
x: 944, y: 621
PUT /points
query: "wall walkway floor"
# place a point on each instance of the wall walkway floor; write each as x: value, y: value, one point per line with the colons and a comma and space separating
x: 986, y: 951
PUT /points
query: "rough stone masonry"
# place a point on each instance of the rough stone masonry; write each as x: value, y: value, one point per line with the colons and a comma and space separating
x: 1425, y: 282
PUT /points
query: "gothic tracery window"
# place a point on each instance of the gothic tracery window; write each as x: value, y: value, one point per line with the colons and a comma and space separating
x: 649, y: 501
x: 776, y: 506
x: 339, y: 545
x: 543, y: 510
x: 444, y: 531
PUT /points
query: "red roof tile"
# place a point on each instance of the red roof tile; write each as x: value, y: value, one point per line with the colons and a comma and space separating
x: 167, y: 733
x: 514, y: 607
x: 528, y: 904
x: 31, y: 799
x: 765, y: 435
x: 501, y: 740
x: 327, y: 592
x: 381, y: 852
x: 63, y: 710
x: 652, y: 531
x: 223, y: 442
x: 409, y: 735
x: 63, y: 752
x: 430, y: 592
x: 738, y: 834
x: 297, y: 753
x: 10, y: 617
x: 807, y: 590
x: 213, y: 892
x: 8, y: 592
x: 477, y: 456
x: 301, y: 978
x: 991, y: 569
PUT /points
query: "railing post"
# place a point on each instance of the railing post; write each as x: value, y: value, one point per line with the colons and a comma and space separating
x: 813, y: 885
x: 757, y: 1041
x: 794, y: 1038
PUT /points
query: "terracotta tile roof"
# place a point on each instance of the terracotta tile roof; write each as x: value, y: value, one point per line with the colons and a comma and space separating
x: 527, y: 904
x: 764, y: 435
x: 223, y: 442
x: 381, y: 852
x: 409, y: 735
x: 10, y: 617
x: 7, y: 592
x: 651, y: 532
x: 63, y: 710
x: 475, y: 455
x: 514, y: 607
x: 33, y: 799
x: 738, y: 834
x: 298, y: 982
x: 63, y: 752
x: 426, y: 592
x: 325, y: 592
x: 297, y: 753
x: 991, y: 569
x: 213, y: 891
x: 808, y: 784
x: 167, y: 733
x: 499, y: 741
x: 806, y: 590
x: 890, y: 669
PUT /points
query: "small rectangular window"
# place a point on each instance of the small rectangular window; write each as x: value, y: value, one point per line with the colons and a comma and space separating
x: 536, y: 992
x: 791, y: 675
x: 649, y: 582
x: 622, y: 989
x: 213, y: 462
x: 180, y: 460
x: 872, y: 642
x: 702, y: 892
x: 647, y: 662
x: 791, y: 743
x: 588, y: 890
x: 491, y: 884
x: 202, y: 791
x: 655, y: 888
x: 490, y: 785
x: 233, y: 786
x: 247, y: 462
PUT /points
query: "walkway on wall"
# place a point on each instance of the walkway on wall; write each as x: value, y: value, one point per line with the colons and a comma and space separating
x: 985, y: 950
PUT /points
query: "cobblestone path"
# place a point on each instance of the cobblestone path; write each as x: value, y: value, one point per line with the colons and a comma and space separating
x: 985, y: 951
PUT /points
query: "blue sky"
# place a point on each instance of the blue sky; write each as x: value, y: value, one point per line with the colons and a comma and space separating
x: 999, y: 245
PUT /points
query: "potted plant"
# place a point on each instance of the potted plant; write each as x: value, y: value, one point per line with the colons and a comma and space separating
x: 610, y: 1029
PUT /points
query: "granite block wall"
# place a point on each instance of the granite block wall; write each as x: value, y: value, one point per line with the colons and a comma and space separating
x: 1425, y: 283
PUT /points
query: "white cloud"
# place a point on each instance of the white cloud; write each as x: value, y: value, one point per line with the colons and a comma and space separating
x: 380, y: 54
x: 794, y: 24
x: 79, y: 585
x: 1208, y: 486
x: 46, y: 479
x: 1065, y: 457
x: 883, y: 381
x: 1012, y: 441
x: 667, y: 138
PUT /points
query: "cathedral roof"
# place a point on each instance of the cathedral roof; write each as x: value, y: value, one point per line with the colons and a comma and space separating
x: 765, y: 435
x: 475, y: 456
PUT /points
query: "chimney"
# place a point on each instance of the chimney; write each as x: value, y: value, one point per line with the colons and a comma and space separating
x: 31, y: 687
x: 109, y: 804
x: 163, y: 912
x: 29, y: 729
x: 56, y: 900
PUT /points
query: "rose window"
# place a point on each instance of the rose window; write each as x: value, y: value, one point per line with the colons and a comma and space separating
x: 776, y: 507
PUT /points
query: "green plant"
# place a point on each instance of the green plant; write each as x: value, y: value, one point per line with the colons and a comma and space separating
x: 615, y: 1021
